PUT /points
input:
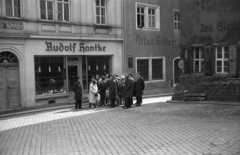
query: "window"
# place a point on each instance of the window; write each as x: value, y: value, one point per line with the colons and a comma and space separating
x: 143, y: 68
x: 198, y: 59
x: 13, y: 8
x: 151, y: 18
x: 222, y: 54
x: 151, y: 68
x: 101, y: 12
x: 50, y: 75
x: 130, y: 62
x: 147, y: 17
x: 63, y: 7
x: 176, y: 20
x: 46, y: 7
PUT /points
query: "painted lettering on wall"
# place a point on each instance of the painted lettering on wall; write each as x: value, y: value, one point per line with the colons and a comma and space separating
x: 220, y: 27
x: 72, y: 47
x: 140, y: 40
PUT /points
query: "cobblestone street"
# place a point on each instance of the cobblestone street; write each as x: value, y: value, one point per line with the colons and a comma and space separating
x: 154, y: 128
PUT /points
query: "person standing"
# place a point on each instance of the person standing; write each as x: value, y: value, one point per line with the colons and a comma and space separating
x: 112, y: 91
x: 133, y: 85
x: 128, y: 92
x: 102, y: 90
x: 78, y: 90
x: 93, y: 92
x: 140, y: 85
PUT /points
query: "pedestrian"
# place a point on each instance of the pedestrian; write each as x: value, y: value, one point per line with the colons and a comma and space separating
x: 129, y: 84
x: 78, y: 90
x: 140, y: 85
x: 112, y: 91
x: 102, y: 90
x: 122, y: 90
x: 134, y: 91
x: 93, y: 93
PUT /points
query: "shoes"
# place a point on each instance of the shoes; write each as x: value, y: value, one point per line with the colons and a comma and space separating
x: 124, y: 107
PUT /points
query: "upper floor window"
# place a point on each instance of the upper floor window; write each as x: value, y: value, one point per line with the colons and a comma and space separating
x: 101, y: 12
x: 222, y: 54
x: 13, y: 8
x: 63, y: 7
x: 46, y: 9
x: 198, y: 59
x: 147, y: 16
x: 176, y: 19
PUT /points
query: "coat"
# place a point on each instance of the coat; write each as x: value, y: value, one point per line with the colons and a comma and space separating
x: 102, y: 88
x: 78, y: 90
x: 129, y: 86
x: 93, y: 89
x: 113, y: 89
x: 139, y: 87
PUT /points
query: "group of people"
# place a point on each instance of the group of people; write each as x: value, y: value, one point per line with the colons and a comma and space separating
x: 111, y: 91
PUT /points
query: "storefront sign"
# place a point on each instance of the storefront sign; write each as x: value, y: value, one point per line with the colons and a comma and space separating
x: 14, y: 25
x: 220, y: 27
x: 72, y: 47
x: 158, y: 41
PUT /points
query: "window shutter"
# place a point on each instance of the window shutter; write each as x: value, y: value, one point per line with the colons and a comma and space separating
x: 208, y: 60
x: 232, y: 61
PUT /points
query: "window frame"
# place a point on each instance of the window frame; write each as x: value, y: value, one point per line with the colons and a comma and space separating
x: 150, y: 67
x: 222, y: 59
x: 146, y: 8
x: 200, y: 60
x: 46, y: 11
x: 62, y: 2
x: 177, y: 21
x: 101, y: 15
x: 13, y: 9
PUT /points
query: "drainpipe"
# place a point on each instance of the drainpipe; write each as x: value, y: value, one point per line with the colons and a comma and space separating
x: 124, y: 38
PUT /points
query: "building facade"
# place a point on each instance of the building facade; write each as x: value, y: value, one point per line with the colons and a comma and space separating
x: 152, y: 32
x: 210, y: 37
x: 46, y: 44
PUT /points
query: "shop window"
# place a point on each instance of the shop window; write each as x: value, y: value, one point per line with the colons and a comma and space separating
x: 222, y: 54
x: 13, y: 8
x: 50, y: 75
x: 152, y: 68
x: 147, y: 16
x: 157, y: 69
x: 46, y: 7
x: 198, y: 62
x: 63, y: 7
x: 176, y: 20
x: 143, y: 68
x: 101, y: 12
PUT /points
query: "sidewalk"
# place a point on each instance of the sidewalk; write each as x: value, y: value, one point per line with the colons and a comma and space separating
x: 49, y: 107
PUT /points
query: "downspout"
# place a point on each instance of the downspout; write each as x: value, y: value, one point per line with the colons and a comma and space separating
x: 124, y: 38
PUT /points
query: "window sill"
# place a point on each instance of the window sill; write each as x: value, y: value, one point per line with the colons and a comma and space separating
x: 51, y: 96
x: 102, y: 26
x: 150, y: 81
x: 148, y: 29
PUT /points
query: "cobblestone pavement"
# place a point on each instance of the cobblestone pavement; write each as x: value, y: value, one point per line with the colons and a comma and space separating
x: 154, y: 128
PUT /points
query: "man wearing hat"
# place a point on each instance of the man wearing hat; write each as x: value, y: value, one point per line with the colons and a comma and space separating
x: 140, y: 85
x: 112, y: 91
x: 78, y: 90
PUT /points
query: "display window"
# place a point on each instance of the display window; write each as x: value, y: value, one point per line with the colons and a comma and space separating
x: 50, y: 75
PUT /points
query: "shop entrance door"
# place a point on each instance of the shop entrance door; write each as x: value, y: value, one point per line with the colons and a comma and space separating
x: 72, y: 76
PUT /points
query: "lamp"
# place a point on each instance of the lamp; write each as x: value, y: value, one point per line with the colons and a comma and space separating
x: 89, y: 67
x: 59, y: 68
x: 49, y: 67
x: 96, y: 67
x: 104, y: 66
x: 39, y: 64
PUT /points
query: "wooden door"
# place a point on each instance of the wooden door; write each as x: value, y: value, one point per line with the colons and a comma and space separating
x: 12, y: 81
x: 3, y: 89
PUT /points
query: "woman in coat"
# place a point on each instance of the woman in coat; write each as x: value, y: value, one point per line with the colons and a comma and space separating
x: 78, y: 90
x: 93, y: 90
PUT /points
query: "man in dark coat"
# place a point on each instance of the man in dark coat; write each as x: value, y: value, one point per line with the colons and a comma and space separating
x: 112, y: 91
x: 102, y: 89
x: 78, y: 90
x: 128, y: 91
x: 140, y: 85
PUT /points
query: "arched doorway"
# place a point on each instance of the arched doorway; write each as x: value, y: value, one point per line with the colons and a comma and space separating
x: 9, y: 81
x: 177, y: 72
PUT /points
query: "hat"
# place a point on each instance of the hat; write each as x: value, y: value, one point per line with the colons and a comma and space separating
x: 122, y: 77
